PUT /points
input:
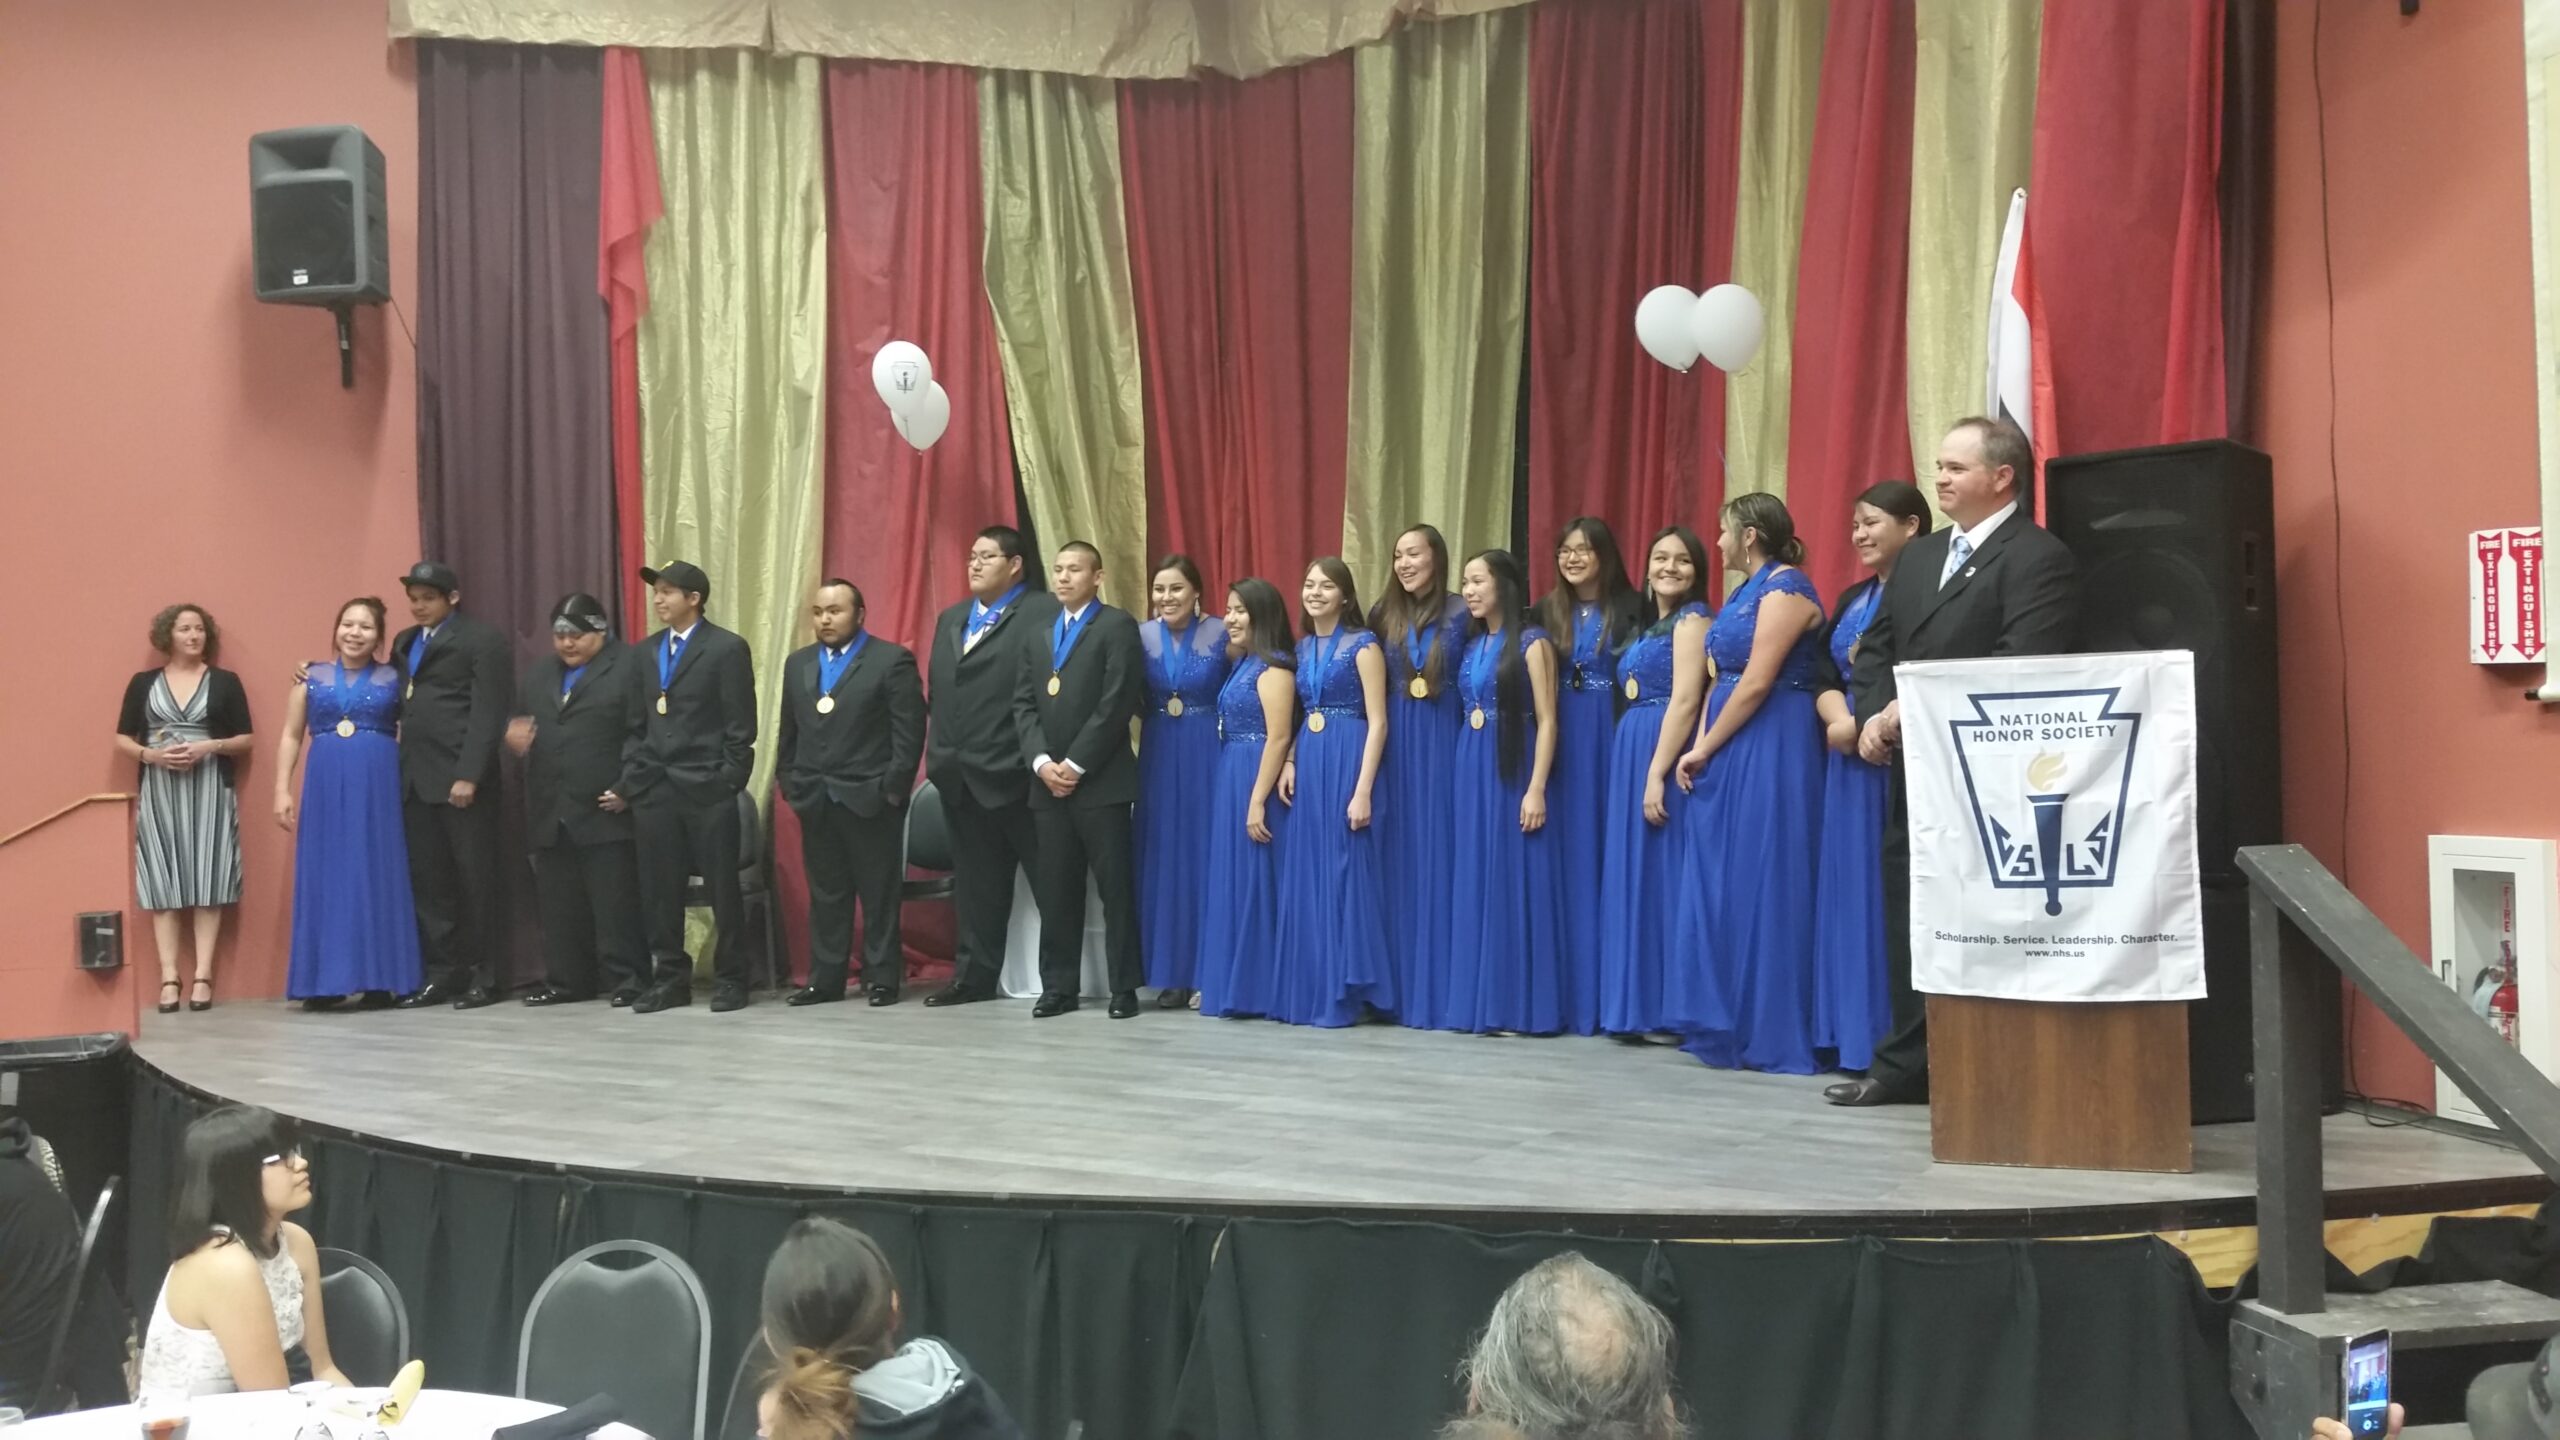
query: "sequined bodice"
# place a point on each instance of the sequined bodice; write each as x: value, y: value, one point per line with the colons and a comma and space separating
x: 1650, y: 659
x: 1729, y: 638
x: 372, y: 698
x: 1480, y: 676
x: 1340, y: 679
x: 1590, y: 665
x: 1193, y: 663
x: 1240, y: 702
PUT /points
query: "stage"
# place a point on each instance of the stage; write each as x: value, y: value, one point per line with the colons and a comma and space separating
x: 982, y: 1105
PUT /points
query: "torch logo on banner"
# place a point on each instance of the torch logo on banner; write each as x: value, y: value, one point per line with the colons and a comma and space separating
x: 2047, y: 774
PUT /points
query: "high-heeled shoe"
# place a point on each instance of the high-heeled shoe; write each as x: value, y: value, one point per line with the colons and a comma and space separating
x: 170, y: 1005
x: 207, y: 1002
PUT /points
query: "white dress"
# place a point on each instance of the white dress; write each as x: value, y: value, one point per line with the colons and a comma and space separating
x: 180, y: 1360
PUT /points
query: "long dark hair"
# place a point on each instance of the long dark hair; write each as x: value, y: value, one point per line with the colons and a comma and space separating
x: 222, y: 1166
x: 1511, y: 699
x: 1900, y: 499
x: 1702, y: 573
x: 1266, y: 617
x: 1759, y: 510
x: 830, y: 1313
x: 1340, y: 574
x: 1622, y: 608
x: 1401, y: 614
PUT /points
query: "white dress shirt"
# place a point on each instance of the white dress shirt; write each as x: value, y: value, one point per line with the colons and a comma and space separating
x: 1959, y: 556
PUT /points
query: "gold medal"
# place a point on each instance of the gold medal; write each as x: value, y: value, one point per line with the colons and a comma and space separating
x: 1173, y: 707
x: 1632, y: 687
x: 1315, y: 721
x: 1419, y: 688
x: 1053, y: 684
x: 347, y: 729
x: 662, y: 702
x: 1475, y: 718
x: 826, y: 704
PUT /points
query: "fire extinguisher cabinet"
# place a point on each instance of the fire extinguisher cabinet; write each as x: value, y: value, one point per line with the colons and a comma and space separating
x: 2491, y: 901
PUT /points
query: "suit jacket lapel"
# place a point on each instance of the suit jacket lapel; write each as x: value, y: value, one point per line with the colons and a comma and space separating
x: 969, y: 652
x: 1973, y: 564
x: 692, y: 647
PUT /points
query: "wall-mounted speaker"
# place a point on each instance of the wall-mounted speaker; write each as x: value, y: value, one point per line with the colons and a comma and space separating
x: 317, y: 233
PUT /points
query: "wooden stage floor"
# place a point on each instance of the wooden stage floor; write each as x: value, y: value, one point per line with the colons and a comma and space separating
x: 1171, y: 1111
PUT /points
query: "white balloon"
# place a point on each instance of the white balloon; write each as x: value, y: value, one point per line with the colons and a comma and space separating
x: 1726, y: 324
x: 901, y: 373
x: 924, y: 422
x: 1662, y: 325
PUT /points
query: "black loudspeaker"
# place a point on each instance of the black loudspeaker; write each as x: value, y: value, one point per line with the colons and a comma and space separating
x: 317, y: 234
x: 2176, y: 551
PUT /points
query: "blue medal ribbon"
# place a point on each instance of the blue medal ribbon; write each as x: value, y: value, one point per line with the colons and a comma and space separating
x: 569, y: 679
x: 832, y: 665
x: 986, y: 615
x: 1483, y: 656
x: 1063, y: 637
x: 418, y: 650
x: 668, y: 655
x: 1311, y: 678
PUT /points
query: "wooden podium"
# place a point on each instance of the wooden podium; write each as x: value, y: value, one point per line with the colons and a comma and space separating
x: 2094, y: 1085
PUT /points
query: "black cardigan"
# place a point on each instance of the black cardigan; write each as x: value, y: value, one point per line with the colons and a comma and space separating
x: 226, y: 709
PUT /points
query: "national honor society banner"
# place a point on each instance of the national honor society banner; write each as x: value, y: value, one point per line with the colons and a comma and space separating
x: 2053, y: 827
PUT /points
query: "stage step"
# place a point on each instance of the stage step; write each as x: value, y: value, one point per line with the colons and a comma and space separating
x: 2284, y: 1368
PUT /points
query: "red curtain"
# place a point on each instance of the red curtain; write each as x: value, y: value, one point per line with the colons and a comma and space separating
x: 628, y: 204
x: 1238, y: 196
x: 1845, y: 424
x: 2123, y: 215
x: 1636, y: 109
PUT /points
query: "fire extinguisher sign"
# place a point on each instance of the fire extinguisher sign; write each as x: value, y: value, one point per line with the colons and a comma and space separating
x: 2506, y: 596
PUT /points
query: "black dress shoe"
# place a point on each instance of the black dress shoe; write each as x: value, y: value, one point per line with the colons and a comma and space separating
x: 432, y: 995
x: 1865, y: 1091
x: 1172, y: 997
x: 725, y: 998
x: 882, y: 995
x: 377, y: 1000
x: 1055, y: 1004
x: 623, y: 998
x: 554, y: 995
x: 959, y: 992
x: 664, y: 997
x: 812, y: 995
x: 1124, y: 1004
x: 475, y: 997
x: 315, y: 1004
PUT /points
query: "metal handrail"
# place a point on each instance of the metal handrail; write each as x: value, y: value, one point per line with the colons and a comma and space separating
x: 42, y: 821
x: 2287, y: 884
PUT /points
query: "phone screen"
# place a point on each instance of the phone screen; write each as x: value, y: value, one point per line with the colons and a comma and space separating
x: 2368, y: 1376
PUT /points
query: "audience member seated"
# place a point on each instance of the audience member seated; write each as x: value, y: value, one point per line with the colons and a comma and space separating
x: 1571, y: 1352
x: 241, y: 1307
x: 831, y: 1319
x: 39, y: 1250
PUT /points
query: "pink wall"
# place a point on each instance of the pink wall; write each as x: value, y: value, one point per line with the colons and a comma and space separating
x: 165, y: 437
x: 2435, y: 437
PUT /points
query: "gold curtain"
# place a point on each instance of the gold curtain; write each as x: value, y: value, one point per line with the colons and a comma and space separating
x: 1973, y: 117
x: 1781, y: 75
x: 733, y: 349
x: 1439, y: 286
x: 669, y: 24
x: 1057, y: 268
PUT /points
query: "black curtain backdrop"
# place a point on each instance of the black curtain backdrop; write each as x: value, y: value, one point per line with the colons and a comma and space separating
x: 515, y: 458
x: 1146, y: 1325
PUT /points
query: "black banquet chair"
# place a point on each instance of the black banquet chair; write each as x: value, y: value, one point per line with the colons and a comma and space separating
x: 58, y: 1350
x: 628, y: 1319
x: 755, y: 888
x: 746, y: 1387
x: 368, y: 1324
x: 928, y: 847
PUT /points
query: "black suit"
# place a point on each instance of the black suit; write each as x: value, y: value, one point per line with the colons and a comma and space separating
x: 2017, y: 595
x: 973, y: 755
x: 450, y: 723
x: 686, y: 774
x: 586, y: 872
x: 1084, y: 724
x: 847, y: 772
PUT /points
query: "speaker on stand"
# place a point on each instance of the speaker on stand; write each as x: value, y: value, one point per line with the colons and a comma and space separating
x: 2176, y: 552
x: 318, y: 234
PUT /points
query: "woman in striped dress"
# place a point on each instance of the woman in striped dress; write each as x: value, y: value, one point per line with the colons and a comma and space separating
x: 183, y: 722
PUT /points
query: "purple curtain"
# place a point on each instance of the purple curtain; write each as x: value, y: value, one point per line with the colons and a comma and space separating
x: 515, y: 459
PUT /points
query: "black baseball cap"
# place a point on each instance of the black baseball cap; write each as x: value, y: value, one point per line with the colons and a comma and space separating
x: 682, y: 574
x: 2515, y: 1402
x: 580, y: 614
x: 433, y: 576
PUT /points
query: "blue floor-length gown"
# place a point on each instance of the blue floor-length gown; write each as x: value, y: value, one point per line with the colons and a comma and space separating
x: 1578, y: 802
x: 1506, y: 958
x: 1413, y: 799
x: 1238, y: 971
x: 355, y: 927
x: 1177, y: 763
x: 1332, y: 933
x: 1754, y: 823
x: 1640, y: 860
x: 1852, y: 1005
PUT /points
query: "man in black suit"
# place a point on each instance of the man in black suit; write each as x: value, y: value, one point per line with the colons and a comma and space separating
x: 973, y: 753
x: 455, y: 682
x: 580, y: 716
x: 852, y: 731
x: 698, y: 743
x: 1074, y: 704
x: 1991, y: 582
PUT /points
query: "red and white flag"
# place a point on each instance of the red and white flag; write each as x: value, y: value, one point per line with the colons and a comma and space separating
x: 2019, y: 386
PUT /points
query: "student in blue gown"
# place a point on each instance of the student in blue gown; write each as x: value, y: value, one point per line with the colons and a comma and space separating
x: 1238, y: 968
x: 1662, y: 676
x: 1506, y: 961
x: 1421, y: 627
x: 1852, y: 1007
x: 1755, y: 802
x: 1177, y: 762
x: 1591, y: 604
x: 1332, y: 938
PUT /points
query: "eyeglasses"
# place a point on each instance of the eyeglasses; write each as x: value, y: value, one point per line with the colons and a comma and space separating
x: 293, y: 1156
x: 1575, y: 552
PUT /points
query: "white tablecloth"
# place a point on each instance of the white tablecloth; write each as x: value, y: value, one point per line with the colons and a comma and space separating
x: 277, y: 1415
x: 1022, y: 944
